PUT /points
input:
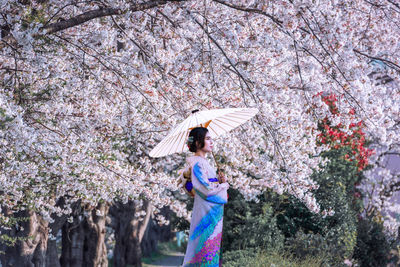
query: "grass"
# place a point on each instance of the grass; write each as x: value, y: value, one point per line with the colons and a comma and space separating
x: 276, y: 259
x: 154, y: 256
x: 268, y: 259
x: 241, y: 258
x: 171, y: 247
x: 163, y: 250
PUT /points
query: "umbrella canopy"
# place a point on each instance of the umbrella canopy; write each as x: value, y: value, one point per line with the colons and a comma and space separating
x: 217, y: 121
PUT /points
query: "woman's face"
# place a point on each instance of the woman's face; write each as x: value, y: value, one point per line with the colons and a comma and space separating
x: 208, y: 143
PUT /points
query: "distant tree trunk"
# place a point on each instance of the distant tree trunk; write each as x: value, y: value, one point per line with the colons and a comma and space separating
x: 155, y: 233
x: 52, y: 259
x: 83, y: 239
x: 52, y: 254
x: 129, y: 232
x: 72, y: 240
x: 30, y: 251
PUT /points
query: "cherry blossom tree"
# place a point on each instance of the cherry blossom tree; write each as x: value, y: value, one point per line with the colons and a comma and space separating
x: 88, y: 88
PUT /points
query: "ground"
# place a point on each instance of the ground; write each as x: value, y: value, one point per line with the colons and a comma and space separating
x: 166, y: 260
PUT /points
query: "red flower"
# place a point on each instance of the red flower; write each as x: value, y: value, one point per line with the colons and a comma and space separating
x: 335, y: 138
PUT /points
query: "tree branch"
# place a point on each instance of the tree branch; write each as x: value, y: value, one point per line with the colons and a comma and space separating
x: 241, y: 77
x: 393, y: 3
x: 388, y: 62
x: 252, y: 10
x: 102, y: 12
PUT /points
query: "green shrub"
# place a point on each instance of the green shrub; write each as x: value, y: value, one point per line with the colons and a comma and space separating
x: 269, y: 258
x: 249, y: 225
x: 303, y: 246
x: 372, y: 245
x: 279, y: 221
x: 335, y: 236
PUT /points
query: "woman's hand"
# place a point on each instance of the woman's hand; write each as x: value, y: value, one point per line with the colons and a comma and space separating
x: 221, y: 177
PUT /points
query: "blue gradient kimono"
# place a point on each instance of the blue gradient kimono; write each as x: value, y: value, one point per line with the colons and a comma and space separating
x: 206, y: 223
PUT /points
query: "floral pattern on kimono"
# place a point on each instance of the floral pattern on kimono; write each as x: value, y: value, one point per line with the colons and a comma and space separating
x: 206, y: 223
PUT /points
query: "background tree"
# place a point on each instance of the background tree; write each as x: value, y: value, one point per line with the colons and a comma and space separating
x: 88, y: 88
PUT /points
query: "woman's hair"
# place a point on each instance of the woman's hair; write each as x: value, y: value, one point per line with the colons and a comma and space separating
x: 196, y: 136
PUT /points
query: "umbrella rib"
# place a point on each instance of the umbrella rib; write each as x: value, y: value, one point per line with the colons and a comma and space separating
x: 224, y: 123
x: 157, y: 149
x: 219, y: 126
x: 183, y: 145
x: 183, y: 126
x: 229, y: 119
x: 168, y: 147
x: 167, y: 144
x: 210, y: 127
x: 172, y: 145
x: 244, y: 113
x: 182, y: 139
x: 239, y: 116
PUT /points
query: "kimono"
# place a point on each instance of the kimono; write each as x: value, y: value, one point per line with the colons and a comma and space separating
x: 205, y: 234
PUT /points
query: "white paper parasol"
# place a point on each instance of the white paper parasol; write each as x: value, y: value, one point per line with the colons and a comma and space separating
x: 217, y: 121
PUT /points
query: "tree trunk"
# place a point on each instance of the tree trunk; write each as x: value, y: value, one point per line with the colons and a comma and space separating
x: 52, y: 259
x: 155, y: 233
x: 83, y: 239
x: 129, y: 232
x: 31, y: 250
x: 95, y: 251
x: 52, y: 254
x: 72, y: 243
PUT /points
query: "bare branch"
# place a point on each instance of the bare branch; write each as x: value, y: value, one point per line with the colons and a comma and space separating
x: 82, y: 18
x: 388, y: 62
x: 224, y: 54
x: 395, y: 4
x: 112, y: 69
x: 102, y: 12
x: 251, y: 10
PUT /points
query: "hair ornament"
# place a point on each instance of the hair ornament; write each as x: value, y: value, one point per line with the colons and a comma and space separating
x: 190, y: 140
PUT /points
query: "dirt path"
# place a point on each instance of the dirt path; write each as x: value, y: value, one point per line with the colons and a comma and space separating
x: 172, y: 259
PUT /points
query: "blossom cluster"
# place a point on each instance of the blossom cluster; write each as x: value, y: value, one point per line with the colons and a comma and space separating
x: 83, y: 104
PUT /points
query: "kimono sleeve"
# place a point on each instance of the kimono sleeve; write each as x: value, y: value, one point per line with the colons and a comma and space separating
x: 215, y: 193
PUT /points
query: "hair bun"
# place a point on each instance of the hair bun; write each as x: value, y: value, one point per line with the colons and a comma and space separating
x: 196, y: 138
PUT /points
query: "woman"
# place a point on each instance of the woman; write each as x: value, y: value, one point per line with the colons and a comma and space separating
x: 210, y: 195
